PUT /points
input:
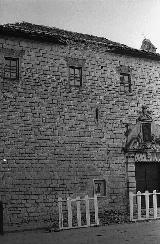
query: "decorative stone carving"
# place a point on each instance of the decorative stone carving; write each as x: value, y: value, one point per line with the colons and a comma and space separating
x: 135, y: 138
x: 148, y: 46
x: 145, y: 115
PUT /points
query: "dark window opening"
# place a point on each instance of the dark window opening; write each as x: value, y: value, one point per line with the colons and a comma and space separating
x: 75, y: 76
x: 125, y: 82
x: 146, y: 131
x: 97, y: 114
x: 100, y: 187
x: 11, y: 68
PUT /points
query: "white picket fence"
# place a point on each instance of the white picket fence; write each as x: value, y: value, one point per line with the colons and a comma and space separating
x: 136, y: 210
x: 69, y: 202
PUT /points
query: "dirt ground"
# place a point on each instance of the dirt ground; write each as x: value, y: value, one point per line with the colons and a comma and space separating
x: 137, y: 233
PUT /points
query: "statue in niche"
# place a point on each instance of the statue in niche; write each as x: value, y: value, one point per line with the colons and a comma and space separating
x: 145, y: 115
x: 139, y: 136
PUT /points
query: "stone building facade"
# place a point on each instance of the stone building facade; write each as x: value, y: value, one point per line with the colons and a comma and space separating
x: 66, y: 101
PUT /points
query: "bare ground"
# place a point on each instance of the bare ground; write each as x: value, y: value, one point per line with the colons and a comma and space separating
x: 137, y: 233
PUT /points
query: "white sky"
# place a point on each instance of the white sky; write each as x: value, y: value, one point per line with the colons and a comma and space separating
x: 124, y: 21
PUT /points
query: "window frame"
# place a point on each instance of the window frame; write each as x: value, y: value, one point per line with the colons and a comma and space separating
x: 75, y: 78
x: 10, y: 68
x: 122, y: 82
x: 103, y: 183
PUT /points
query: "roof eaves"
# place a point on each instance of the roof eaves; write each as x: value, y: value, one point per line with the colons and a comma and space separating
x: 30, y: 34
x: 134, y: 52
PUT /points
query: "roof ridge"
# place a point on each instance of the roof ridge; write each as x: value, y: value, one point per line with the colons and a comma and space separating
x: 84, y: 35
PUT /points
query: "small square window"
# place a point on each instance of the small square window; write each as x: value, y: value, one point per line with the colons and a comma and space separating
x: 75, y: 76
x: 100, y: 187
x: 125, y: 82
x: 11, y: 68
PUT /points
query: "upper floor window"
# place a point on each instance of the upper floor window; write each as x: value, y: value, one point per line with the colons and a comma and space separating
x: 75, y: 76
x: 125, y: 80
x: 11, y: 68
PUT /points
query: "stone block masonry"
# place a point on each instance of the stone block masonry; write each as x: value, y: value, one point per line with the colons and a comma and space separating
x: 51, y: 142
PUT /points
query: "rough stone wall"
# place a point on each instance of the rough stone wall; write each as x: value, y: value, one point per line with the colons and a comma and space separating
x: 50, y: 141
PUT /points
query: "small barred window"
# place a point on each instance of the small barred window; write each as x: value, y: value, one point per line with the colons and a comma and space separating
x: 125, y: 82
x: 11, y: 68
x: 100, y: 187
x: 75, y: 76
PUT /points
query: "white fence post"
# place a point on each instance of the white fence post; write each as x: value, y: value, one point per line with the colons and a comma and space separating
x: 131, y: 195
x: 70, y: 212
x: 139, y: 204
x: 154, y: 204
x: 60, y: 213
x: 96, y: 209
x: 87, y: 210
x: 147, y: 204
x: 69, y: 206
x: 78, y: 211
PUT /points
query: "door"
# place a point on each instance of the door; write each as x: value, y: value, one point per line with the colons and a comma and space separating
x: 148, y: 179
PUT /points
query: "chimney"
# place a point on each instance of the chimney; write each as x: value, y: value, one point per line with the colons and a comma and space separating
x: 148, y: 46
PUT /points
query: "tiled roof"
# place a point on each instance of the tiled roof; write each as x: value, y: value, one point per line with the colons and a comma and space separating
x: 40, y: 30
x: 56, y: 35
x: 31, y: 31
